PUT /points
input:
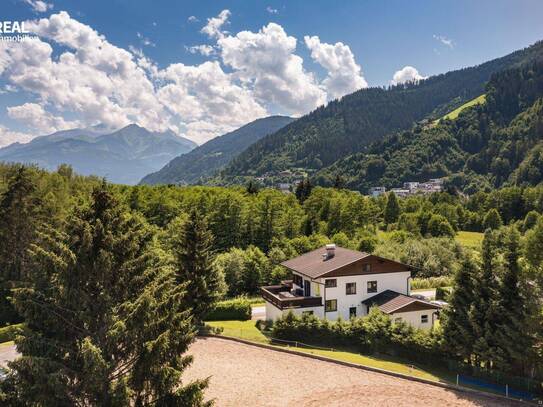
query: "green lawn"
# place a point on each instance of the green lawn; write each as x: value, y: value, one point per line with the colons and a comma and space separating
x: 240, y: 329
x: 9, y: 343
x: 454, y: 114
x: 470, y: 239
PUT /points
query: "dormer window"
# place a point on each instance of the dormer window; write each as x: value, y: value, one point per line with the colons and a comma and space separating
x: 366, y: 268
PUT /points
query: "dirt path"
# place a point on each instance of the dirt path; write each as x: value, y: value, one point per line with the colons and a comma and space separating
x: 244, y: 375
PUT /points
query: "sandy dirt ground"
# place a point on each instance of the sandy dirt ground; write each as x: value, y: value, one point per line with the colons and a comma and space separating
x: 7, y: 354
x: 244, y: 375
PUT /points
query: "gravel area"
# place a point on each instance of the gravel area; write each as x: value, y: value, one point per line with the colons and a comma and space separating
x: 244, y: 375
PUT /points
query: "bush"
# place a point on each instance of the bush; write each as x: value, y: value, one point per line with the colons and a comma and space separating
x: 431, y: 282
x: 9, y: 332
x: 374, y: 333
x: 235, y: 309
x: 442, y: 293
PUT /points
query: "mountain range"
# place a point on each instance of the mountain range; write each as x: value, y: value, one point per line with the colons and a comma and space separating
x: 205, y: 160
x: 123, y: 156
x: 320, y: 140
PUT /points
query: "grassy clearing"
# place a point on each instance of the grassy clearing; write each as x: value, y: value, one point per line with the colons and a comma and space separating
x: 454, y: 114
x: 4, y: 344
x: 472, y: 240
x: 240, y: 329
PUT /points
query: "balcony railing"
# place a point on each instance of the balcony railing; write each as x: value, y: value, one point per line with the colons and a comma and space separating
x: 281, y: 297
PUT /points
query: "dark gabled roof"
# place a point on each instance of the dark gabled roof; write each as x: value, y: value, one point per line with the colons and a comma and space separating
x: 345, y: 262
x: 391, y: 301
x: 313, y: 264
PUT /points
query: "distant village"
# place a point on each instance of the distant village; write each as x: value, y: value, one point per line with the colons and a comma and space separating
x: 296, y: 176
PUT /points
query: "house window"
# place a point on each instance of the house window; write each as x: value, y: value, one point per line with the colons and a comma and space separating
x: 424, y: 319
x: 330, y: 305
x: 350, y: 288
x: 330, y: 283
x: 366, y: 268
x: 397, y: 320
x: 296, y: 279
x: 352, y: 312
x: 372, y: 286
x: 307, y: 312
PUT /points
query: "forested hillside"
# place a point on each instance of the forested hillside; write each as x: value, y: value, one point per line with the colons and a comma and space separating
x: 488, y: 145
x: 349, y: 125
x: 210, y: 157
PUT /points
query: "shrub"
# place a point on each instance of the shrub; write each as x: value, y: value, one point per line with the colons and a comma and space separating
x: 228, y: 310
x: 442, y: 293
x: 431, y: 282
x: 9, y: 332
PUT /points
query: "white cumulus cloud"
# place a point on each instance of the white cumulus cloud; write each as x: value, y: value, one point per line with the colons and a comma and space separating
x: 36, y: 117
x: 214, y: 25
x: 266, y: 61
x: 406, y: 74
x: 8, y: 137
x: 344, y: 74
x: 39, y: 6
x: 92, y: 81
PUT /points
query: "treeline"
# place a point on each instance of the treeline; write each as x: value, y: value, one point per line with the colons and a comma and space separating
x: 490, y: 145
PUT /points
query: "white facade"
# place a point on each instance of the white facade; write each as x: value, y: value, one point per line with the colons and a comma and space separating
x: 415, y: 318
x: 397, y: 281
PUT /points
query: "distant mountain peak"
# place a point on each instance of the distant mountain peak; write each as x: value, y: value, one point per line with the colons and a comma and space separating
x: 210, y: 157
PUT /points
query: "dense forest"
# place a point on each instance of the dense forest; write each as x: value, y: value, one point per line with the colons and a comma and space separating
x: 122, y: 276
x: 488, y: 145
x: 349, y: 125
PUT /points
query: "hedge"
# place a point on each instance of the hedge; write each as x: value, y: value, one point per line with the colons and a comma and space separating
x: 8, y: 333
x: 228, y: 310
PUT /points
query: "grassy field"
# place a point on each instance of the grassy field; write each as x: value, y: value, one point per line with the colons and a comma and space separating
x: 240, y: 329
x: 4, y: 344
x: 454, y: 114
x: 470, y: 239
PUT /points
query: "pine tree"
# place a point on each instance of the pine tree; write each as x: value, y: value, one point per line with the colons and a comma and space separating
x: 303, y: 190
x: 392, y: 209
x: 484, y: 315
x: 192, y: 249
x: 457, y: 330
x: 511, y: 336
x: 107, y: 325
x: 19, y: 221
x: 492, y: 220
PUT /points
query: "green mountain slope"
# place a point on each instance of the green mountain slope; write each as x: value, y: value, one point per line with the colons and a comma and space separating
x: 349, y: 125
x: 123, y: 156
x: 210, y: 157
x: 488, y: 145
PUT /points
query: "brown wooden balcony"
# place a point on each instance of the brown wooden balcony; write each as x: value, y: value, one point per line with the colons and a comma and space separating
x: 281, y: 297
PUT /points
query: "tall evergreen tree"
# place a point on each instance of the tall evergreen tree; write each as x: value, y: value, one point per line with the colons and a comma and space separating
x: 512, y: 335
x: 484, y: 315
x: 392, y: 209
x: 457, y: 330
x: 19, y: 221
x: 492, y: 220
x: 106, y: 322
x: 192, y: 249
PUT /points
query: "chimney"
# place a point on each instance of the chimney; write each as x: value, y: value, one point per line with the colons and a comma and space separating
x: 330, y: 250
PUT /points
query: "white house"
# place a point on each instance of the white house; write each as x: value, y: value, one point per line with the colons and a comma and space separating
x: 333, y: 281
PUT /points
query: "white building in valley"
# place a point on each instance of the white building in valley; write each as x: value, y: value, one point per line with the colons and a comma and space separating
x: 333, y: 282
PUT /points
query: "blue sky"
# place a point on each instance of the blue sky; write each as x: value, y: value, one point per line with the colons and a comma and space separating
x: 349, y: 44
